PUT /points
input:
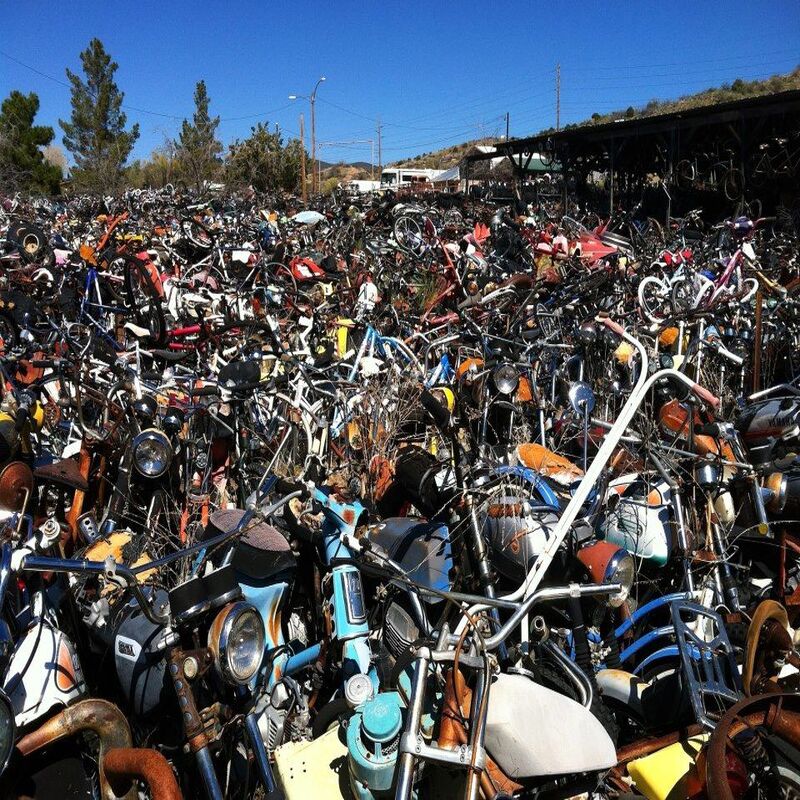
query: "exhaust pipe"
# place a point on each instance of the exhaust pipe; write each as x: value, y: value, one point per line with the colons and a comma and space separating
x: 125, y: 764
x: 100, y: 717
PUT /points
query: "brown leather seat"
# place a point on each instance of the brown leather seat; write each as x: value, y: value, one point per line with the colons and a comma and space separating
x: 65, y: 473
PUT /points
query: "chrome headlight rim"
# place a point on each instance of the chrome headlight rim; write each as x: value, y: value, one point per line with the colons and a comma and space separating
x: 620, y: 569
x: 10, y: 729
x: 505, y: 378
x: 221, y: 641
x: 152, y: 436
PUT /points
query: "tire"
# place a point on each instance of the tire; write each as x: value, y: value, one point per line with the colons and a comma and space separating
x: 654, y: 299
x: 31, y: 241
x: 683, y: 297
x: 733, y: 184
x: 197, y: 234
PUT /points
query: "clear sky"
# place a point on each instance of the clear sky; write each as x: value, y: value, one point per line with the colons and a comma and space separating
x: 437, y: 73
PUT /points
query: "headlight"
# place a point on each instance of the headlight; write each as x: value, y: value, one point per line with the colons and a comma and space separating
x: 506, y: 378
x: 620, y: 570
x: 152, y: 453
x: 237, y: 640
x: 608, y: 563
x: 7, y: 731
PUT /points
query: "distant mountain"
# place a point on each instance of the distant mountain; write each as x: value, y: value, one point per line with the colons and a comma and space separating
x: 355, y: 164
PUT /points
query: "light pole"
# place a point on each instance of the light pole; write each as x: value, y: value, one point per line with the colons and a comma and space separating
x: 312, y: 98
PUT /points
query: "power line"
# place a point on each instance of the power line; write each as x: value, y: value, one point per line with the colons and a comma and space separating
x: 138, y: 110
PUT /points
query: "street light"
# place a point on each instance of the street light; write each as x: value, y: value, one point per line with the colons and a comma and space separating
x: 312, y: 99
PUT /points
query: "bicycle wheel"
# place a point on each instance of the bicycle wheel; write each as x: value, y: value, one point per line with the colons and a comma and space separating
x: 733, y: 184
x: 654, y: 299
x: 408, y: 234
x: 683, y: 297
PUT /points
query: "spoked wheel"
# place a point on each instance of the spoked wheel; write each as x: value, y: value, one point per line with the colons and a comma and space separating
x: 683, y: 297
x: 408, y: 234
x: 144, y: 298
x: 654, y: 299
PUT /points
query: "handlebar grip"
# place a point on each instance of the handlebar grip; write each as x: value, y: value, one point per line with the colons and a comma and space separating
x: 706, y: 396
x: 439, y: 414
x: 46, y: 363
x: 612, y: 325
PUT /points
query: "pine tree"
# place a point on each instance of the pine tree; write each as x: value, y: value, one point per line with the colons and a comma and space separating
x: 22, y: 163
x: 198, y: 148
x: 95, y: 134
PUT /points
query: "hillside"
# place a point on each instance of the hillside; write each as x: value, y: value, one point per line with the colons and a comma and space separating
x: 738, y: 90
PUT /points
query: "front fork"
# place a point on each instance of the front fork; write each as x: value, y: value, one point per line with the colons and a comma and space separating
x: 193, y: 725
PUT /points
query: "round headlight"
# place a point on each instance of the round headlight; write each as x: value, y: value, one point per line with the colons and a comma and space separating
x: 621, y: 570
x: 152, y: 453
x: 8, y: 730
x: 237, y: 640
x: 506, y: 378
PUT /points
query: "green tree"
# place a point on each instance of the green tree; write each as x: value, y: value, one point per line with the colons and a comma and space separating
x: 95, y: 133
x: 264, y: 162
x: 22, y: 163
x: 198, y: 147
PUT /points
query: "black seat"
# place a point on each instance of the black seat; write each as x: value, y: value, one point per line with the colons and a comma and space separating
x: 262, y: 553
x: 240, y: 373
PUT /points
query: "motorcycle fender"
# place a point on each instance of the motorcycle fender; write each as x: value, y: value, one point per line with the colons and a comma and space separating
x: 44, y: 673
x: 528, y: 726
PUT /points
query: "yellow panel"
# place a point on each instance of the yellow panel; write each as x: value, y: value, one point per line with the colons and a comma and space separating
x: 660, y: 775
x: 315, y: 769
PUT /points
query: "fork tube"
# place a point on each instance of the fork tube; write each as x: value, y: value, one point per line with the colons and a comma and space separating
x: 405, y: 770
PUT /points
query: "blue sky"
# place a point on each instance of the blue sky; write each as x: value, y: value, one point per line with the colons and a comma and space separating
x: 437, y: 73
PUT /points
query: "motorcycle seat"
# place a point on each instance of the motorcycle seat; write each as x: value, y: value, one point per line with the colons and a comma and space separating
x: 261, y: 553
x: 64, y: 472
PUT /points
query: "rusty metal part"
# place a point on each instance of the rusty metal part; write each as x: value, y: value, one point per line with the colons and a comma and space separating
x: 647, y: 746
x: 453, y: 733
x: 16, y: 483
x: 193, y: 723
x: 777, y: 713
x: 100, y: 717
x: 125, y: 764
x: 767, y: 635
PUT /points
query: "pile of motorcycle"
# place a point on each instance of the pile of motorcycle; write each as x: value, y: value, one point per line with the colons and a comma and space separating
x: 396, y: 496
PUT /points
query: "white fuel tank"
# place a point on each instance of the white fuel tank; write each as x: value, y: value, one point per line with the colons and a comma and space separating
x: 532, y: 731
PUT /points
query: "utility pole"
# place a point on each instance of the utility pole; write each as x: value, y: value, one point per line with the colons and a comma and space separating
x: 303, y: 159
x: 380, y: 159
x: 312, y: 99
x: 558, y: 97
x: 507, y: 121
x: 313, y: 144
